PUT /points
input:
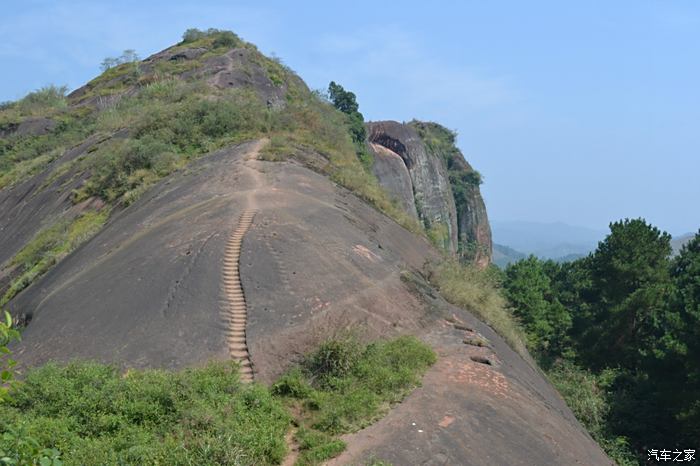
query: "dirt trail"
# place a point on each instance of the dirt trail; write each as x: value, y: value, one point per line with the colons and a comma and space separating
x: 234, y: 312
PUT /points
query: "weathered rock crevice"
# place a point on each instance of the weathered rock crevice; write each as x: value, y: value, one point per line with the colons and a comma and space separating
x: 395, y: 146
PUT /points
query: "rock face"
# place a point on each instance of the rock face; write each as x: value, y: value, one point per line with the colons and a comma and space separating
x: 473, y: 224
x: 431, y: 188
x: 391, y: 171
x: 443, y: 188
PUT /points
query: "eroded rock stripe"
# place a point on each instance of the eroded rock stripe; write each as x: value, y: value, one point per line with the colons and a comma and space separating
x: 235, y: 311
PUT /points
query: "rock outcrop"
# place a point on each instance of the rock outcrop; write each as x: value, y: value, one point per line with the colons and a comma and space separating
x: 472, y: 221
x: 391, y: 171
x: 442, y: 189
x: 431, y: 188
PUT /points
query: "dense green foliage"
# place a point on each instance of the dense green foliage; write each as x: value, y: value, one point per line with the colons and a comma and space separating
x: 88, y: 413
x: 344, y: 386
x: 617, y: 332
x: 94, y: 415
x: 17, y: 447
x: 7, y: 364
x: 346, y: 102
x: 220, y: 37
x: 544, y: 319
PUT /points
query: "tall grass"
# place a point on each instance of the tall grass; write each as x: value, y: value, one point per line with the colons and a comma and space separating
x: 48, y: 97
x: 477, y: 291
x: 586, y: 393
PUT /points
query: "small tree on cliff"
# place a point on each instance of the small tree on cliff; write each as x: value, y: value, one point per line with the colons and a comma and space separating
x: 346, y: 102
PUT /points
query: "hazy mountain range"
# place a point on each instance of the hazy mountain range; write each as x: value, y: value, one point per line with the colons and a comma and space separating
x: 678, y: 242
x: 514, y: 240
x: 546, y: 240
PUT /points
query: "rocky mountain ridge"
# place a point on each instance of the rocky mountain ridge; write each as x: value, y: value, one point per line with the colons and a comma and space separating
x: 204, y: 205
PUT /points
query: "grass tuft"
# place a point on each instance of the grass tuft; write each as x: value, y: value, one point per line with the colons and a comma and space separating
x: 477, y: 291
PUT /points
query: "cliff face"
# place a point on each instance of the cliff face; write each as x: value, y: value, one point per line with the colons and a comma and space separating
x: 432, y: 195
x: 443, y: 189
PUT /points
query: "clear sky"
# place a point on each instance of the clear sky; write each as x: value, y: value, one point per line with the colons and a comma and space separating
x: 582, y: 112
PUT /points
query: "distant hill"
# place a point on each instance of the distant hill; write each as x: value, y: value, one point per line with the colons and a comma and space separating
x: 504, y: 255
x: 547, y: 240
x: 570, y: 257
x: 678, y: 242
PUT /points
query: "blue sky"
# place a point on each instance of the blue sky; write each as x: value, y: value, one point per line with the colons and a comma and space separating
x: 581, y: 112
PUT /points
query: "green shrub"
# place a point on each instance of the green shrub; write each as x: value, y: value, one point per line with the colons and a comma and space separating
x: 344, y: 386
x: 192, y: 35
x: 587, y: 395
x: 226, y: 39
x: 334, y: 358
x: 218, y: 37
x: 48, y: 97
x: 7, y: 364
x: 95, y: 415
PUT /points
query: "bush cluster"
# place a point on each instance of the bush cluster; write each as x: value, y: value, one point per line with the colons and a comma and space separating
x: 89, y: 413
x: 220, y: 38
x: 617, y: 332
x: 93, y: 414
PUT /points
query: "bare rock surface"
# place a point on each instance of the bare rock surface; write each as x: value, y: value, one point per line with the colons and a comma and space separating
x: 393, y: 176
x: 29, y: 127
